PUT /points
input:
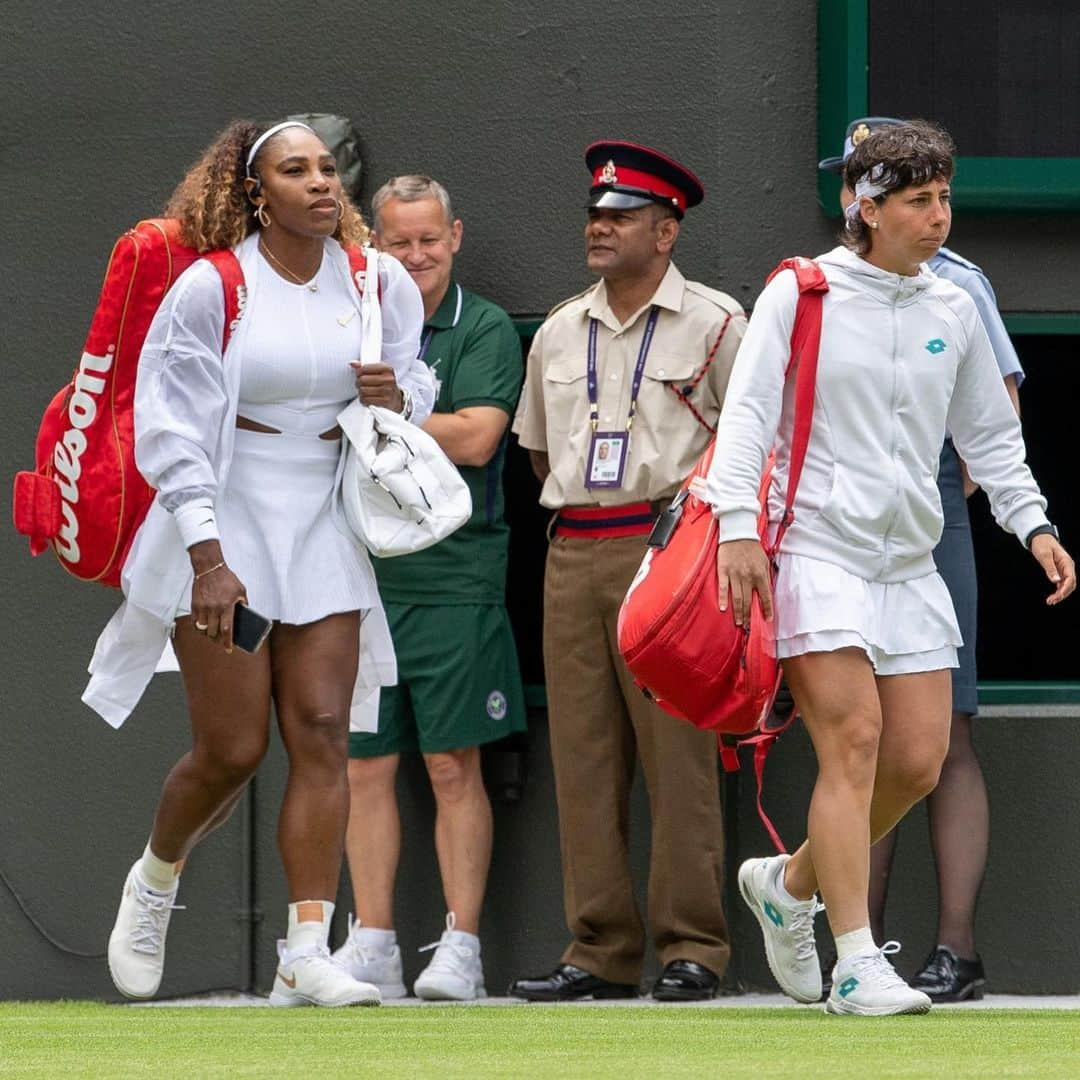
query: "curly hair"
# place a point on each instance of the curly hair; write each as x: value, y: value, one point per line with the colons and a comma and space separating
x: 894, y: 157
x: 212, y: 202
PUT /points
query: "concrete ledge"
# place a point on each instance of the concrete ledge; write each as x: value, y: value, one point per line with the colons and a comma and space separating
x: 1029, y: 711
x: 727, y: 1001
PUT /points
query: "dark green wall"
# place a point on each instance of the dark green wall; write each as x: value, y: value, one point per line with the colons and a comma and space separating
x: 105, y: 105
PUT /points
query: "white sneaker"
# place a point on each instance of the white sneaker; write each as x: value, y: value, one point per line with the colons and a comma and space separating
x: 866, y: 984
x: 311, y: 976
x: 137, y: 941
x: 788, y: 928
x: 367, y: 959
x: 454, y: 973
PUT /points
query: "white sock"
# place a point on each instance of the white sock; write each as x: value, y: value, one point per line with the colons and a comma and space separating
x: 309, y: 924
x: 159, y: 875
x: 857, y: 941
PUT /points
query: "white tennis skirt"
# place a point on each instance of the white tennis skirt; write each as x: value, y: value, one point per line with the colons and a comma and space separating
x: 278, y: 534
x: 904, y: 627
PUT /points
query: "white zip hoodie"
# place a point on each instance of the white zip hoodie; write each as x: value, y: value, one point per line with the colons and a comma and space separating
x: 902, y: 359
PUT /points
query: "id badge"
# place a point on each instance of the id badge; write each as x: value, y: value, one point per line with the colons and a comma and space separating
x: 607, y: 459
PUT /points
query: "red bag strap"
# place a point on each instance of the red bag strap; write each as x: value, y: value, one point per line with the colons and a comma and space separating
x: 805, y: 346
x: 762, y: 743
x: 232, y: 282
x: 358, y: 265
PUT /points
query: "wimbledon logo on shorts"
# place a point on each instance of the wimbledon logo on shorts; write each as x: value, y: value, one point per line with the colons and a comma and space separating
x: 496, y: 705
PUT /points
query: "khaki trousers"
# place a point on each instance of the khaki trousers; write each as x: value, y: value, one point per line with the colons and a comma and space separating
x: 599, y: 723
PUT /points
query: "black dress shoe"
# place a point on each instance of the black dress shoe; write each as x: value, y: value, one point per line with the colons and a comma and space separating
x: 948, y: 977
x: 569, y: 983
x: 683, y: 980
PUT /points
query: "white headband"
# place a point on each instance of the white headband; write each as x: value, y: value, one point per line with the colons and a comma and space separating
x: 869, y: 186
x: 269, y: 133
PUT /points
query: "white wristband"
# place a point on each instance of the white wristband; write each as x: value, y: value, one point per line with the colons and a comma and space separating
x: 196, y: 522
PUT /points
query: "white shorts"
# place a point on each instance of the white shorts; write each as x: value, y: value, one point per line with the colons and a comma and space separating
x: 904, y: 627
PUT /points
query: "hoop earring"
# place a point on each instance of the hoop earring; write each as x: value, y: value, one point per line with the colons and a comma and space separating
x: 262, y: 215
x: 340, y: 209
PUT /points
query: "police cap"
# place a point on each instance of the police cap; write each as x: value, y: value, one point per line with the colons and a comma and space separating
x: 626, y: 176
x: 857, y: 130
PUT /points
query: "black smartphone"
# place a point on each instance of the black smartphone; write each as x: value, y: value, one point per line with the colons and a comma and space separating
x: 250, y: 629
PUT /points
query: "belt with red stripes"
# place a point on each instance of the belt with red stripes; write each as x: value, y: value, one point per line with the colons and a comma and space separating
x: 606, y: 522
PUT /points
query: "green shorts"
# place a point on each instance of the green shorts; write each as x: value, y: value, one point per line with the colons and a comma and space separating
x: 458, y: 681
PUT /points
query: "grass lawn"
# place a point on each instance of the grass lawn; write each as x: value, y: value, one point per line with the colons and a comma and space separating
x: 94, y: 1040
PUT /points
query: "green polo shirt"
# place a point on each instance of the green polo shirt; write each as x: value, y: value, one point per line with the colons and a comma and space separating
x: 474, y: 353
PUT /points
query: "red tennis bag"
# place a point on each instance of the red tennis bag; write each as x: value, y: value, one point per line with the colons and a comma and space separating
x: 682, y: 650
x: 86, y: 497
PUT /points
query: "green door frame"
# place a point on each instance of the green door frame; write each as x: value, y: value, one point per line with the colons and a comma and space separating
x: 981, y: 183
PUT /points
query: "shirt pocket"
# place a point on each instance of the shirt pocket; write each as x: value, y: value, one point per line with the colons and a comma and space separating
x: 566, y: 394
x: 664, y: 382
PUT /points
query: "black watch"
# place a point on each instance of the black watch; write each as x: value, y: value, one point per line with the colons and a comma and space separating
x: 1041, y: 530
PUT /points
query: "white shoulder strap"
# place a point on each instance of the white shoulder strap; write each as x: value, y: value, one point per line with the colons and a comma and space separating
x: 371, y: 312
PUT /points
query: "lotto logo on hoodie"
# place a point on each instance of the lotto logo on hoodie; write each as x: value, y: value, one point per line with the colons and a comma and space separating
x: 935, y: 346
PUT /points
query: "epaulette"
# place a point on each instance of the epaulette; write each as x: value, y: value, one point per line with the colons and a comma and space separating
x: 570, y: 299
x: 950, y: 256
x: 722, y: 300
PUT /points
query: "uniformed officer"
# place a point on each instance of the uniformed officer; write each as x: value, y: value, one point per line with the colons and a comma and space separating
x: 459, y: 684
x: 958, y: 807
x: 623, y: 387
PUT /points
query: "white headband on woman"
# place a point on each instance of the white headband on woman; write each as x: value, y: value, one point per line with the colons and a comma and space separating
x: 269, y: 133
x: 869, y: 186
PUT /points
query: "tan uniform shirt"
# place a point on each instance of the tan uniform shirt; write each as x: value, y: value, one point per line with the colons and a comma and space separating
x: 666, y: 438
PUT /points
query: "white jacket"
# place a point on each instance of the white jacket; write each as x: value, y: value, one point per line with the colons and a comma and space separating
x: 902, y: 359
x: 186, y: 399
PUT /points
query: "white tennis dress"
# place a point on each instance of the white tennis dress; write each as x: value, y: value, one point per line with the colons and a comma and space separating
x: 278, y: 532
x: 287, y: 362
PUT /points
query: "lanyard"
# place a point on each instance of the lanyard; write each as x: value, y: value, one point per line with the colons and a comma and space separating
x: 639, y: 369
x: 429, y: 333
x: 425, y: 341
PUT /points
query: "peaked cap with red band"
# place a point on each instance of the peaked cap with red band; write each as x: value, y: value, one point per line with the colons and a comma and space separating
x: 626, y: 176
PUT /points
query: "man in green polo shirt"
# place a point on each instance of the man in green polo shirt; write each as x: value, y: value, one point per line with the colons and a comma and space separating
x: 459, y: 684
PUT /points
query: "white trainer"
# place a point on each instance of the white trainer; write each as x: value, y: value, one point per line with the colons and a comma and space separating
x: 367, y: 958
x: 787, y: 926
x: 866, y: 984
x: 454, y: 973
x: 137, y: 941
x: 309, y: 975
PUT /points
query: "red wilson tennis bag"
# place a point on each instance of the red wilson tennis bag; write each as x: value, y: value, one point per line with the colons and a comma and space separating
x: 683, y: 651
x: 86, y: 497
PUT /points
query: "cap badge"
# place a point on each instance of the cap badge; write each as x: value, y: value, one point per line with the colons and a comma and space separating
x: 859, y: 134
x: 607, y: 174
